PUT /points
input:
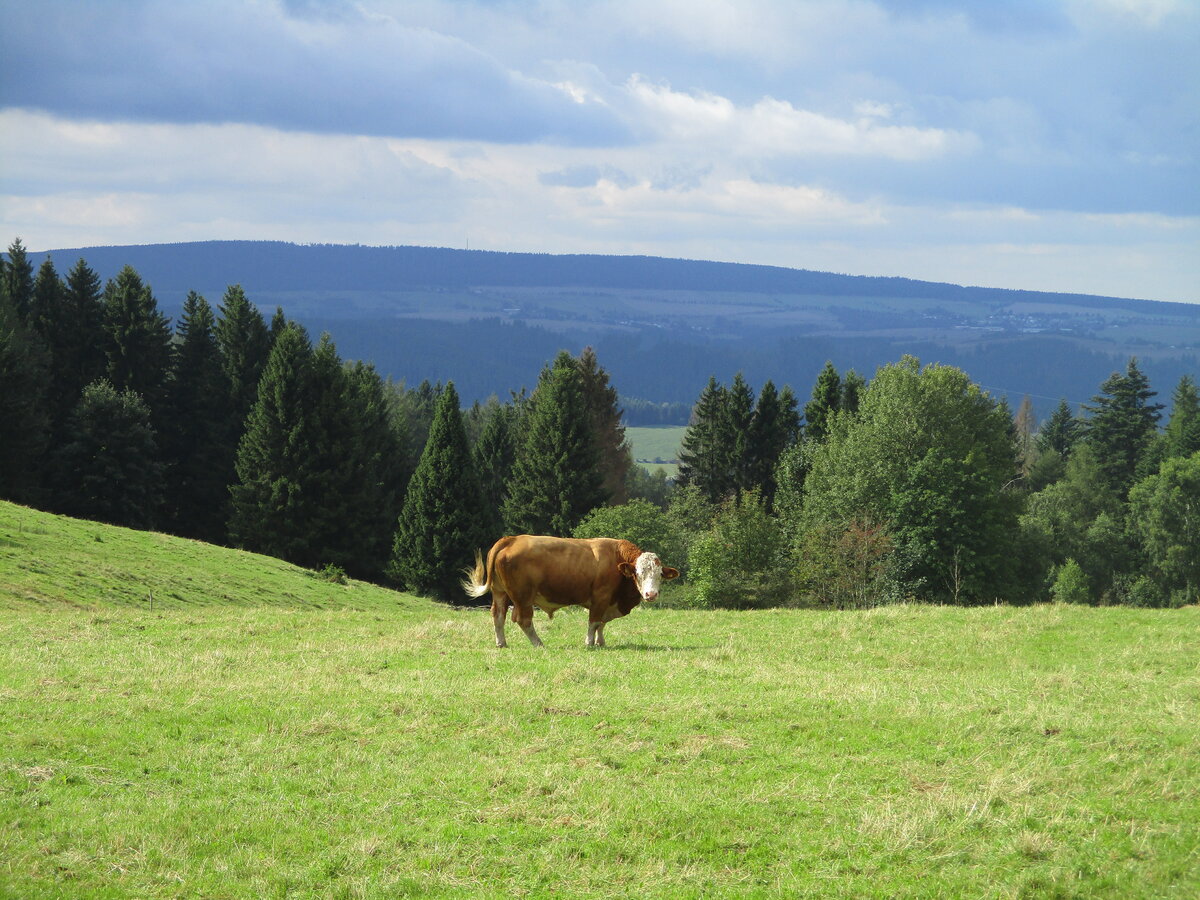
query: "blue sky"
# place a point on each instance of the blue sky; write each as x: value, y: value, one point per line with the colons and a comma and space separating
x: 1045, y: 144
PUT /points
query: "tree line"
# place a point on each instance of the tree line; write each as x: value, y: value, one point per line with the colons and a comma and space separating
x: 916, y: 484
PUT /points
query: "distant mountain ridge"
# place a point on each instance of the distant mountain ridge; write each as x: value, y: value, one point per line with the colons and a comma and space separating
x: 489, y: 321
x: 282, y: 266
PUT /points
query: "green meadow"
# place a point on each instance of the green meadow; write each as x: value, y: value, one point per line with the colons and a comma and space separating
x: 261, y: 732
x: 656, y: 442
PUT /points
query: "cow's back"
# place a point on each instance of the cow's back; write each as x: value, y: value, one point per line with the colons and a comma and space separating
x: 566, y: 571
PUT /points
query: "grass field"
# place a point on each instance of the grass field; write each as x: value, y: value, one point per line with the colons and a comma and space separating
x: 262, y: 733
x: 651, y: 443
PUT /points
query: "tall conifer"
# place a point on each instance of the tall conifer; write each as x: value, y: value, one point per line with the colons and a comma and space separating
x: 439, y: 528
x: 604, y: 422
x: 194, y: 438
x: 1182, y: 437
x: 108, y: 469
x: 1121, y: 425
x: 555, y: 478
x: 16, y: 279
x: 826, y: 400
x: 137, y: 341
x: 272, y: 500
x: 702, y: 454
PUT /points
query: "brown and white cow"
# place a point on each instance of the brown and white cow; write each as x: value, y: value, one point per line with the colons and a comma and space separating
x: 606, y: 576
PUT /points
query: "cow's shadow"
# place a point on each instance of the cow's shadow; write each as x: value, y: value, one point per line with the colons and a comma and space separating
x: 652, y: 648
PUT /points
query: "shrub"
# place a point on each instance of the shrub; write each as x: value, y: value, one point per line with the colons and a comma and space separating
x: 1071, y: 584
x: 845, y: 569
x: 639, y: 521
x: 740, y: 562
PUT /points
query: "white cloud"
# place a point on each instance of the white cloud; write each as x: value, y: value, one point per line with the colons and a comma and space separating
x: 772, y: 127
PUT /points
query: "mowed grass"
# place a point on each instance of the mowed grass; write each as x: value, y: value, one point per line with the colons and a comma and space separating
x: 656, y: 442
x: 369, y: 744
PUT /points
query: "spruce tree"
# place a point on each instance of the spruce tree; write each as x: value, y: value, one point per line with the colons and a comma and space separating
x: 438, y: 530
x: 245, y: 345
x: 193, y: 439
x: 555, y: 478
x: 16, y: 279
x: 853, y: 386
x: 773, y: 430
x: 137, y: 341
x: 108, y: 469
x: 272, y: 500
x: 702, y: 454
x: 494, y: 454
x: 1059, y: 433
x: 337, y: 482
x: 735, y: 435
x: 604, y: 422
x: 1182, y: 436
x: 82, y: 356
x: 377, y: 493
x: 826, y: 400
x: 1122, y: 425
x: 23, y: 419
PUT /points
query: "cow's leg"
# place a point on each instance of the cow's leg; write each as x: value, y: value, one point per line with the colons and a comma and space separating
x: 499, y: 611
x: 595, y: 635
x: 523, y: 615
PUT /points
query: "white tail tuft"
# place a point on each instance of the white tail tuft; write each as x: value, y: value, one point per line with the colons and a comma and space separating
x: 475, y: 582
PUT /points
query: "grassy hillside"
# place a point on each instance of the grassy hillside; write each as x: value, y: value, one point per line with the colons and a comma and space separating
x: 262, y: 733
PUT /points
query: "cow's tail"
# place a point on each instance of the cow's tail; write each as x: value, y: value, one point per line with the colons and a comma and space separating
x: 475, y: 582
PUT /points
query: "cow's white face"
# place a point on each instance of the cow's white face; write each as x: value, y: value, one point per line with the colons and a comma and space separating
x: 649, y: 573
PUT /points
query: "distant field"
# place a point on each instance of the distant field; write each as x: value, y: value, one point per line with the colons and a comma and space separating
x: 658, y: 443
x: 262, y: 733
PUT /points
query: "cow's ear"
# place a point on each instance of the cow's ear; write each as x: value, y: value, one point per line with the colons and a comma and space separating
x: 627, y: 569
x: 669, y: 573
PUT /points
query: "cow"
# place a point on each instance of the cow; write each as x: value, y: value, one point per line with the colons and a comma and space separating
x: 606, y: 576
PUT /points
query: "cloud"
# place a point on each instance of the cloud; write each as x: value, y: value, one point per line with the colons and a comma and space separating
x: 158, y: 60
x: 772, y: 127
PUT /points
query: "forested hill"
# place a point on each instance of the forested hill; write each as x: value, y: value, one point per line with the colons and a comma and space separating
x: 490, y: 321
x: 280, y: 266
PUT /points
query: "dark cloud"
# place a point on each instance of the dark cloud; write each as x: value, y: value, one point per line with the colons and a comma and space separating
x: 304, y: 66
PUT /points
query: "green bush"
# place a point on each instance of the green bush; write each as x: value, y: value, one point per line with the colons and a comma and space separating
x: 639, y: 521
x: 1071, y: 584
x: 740, y: 562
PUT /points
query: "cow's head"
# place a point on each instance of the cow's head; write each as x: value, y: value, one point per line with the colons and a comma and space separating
x: 647, y: 573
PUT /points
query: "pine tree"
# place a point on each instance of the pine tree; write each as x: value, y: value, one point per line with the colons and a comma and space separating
x: 82, y: 350
x: 1122, y: 424
x: 1182, y: 437
x: 735, y: 436
x: 604, y: 422
x: 439, y: 527
x: 137, y: 341
x: 773, y: 430
x: 853, y: 386
x: 109, y: 467
x: 702, y: 456
x: 555, y: 478
x: 23, y: 432
x: 16, y: 280
x: 1059, y: 432
x: 272, y: 500
x: 245, y: 345
x: 381, y: 475
x: 826, y: 400
x: 194, y: 437
x: 337, y: 481
x: 493, y: 455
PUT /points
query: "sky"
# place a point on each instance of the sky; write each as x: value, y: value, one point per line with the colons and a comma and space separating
x: 1039, y: 144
